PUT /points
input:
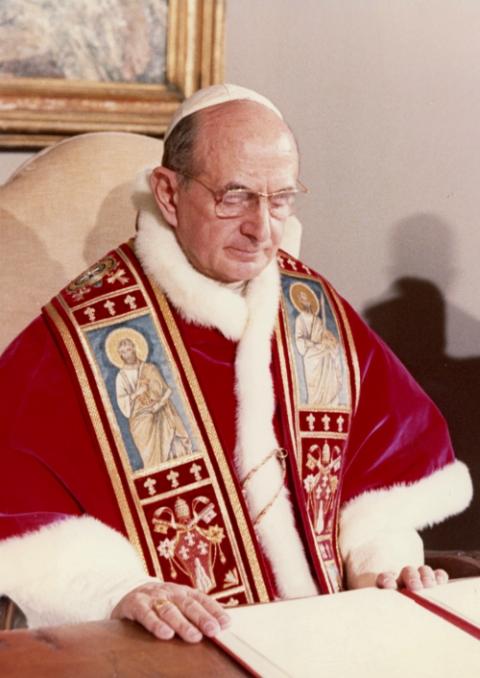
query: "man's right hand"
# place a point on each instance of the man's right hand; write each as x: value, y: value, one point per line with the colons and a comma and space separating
x: 165, y: 609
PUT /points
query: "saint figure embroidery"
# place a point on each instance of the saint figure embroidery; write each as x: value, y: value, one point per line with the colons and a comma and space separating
x: 144, y: 398
x: 318, y: 347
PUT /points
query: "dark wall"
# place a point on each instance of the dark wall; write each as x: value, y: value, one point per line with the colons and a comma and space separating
x: 413, y: 324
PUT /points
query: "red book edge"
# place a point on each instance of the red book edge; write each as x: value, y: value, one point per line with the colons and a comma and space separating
x: 444, y: 613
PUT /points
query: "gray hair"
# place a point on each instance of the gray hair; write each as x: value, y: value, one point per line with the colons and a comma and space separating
x: 178, y: 151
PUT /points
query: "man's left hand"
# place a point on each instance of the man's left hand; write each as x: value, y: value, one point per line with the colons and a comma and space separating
x: 412, y: 578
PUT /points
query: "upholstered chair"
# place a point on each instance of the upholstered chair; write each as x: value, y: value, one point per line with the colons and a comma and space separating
x: 60, y: 212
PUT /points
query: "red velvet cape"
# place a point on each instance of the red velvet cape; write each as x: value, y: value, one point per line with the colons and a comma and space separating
x: 52, y: 468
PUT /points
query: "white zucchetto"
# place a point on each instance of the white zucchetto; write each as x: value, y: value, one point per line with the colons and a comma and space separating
x: 214, y: 95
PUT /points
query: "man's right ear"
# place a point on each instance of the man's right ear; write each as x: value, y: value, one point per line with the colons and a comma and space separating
x: 164, y: 185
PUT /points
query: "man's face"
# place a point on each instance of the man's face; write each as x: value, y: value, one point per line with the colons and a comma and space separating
x: 240, y: 145
x: 304, y: 300
x: 127, y: 352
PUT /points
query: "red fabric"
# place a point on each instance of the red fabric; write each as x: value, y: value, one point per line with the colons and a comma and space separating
x: 51, y: 467
x: 213, y: 361
x: 213, y: 357
x: 398, y: 435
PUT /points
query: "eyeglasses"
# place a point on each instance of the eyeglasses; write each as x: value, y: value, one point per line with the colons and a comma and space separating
x: 235, y: 202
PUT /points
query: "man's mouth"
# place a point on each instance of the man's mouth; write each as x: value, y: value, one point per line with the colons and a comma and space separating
x: 245, y: 254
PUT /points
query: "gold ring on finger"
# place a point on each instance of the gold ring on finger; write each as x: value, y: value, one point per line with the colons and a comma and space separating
x: 158, y: 603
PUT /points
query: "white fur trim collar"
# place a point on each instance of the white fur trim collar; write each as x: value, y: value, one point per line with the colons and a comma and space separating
x: 197, y: 298
x: 250, y: 320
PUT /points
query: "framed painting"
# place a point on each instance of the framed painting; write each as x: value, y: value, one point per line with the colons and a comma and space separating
x: 96, y: 65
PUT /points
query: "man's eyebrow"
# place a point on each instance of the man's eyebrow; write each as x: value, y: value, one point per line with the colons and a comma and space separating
x: 235, y: 186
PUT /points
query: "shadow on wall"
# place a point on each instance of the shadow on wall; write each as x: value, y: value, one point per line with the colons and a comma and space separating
x: 413, y: 321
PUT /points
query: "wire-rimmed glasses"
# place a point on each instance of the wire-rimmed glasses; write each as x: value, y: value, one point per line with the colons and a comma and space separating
x: 236, y: 202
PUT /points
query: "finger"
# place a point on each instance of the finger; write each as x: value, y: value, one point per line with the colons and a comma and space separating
x: 196, y: 613
x: 160, y: 629
x: 176, y: 593
x: 441, y: 577
x: 139, y: 609
x: 386, y: 580
x: 169, y: 613
x: 410, y: 579
x: 213, y: 607
x: 427, y: 576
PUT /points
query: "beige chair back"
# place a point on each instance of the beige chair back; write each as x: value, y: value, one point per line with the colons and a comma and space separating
x: 60, y: 212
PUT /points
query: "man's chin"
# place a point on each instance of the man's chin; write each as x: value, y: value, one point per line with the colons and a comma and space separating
x: 242, y: 266
x: 231, y: 269
x: 245, y: 270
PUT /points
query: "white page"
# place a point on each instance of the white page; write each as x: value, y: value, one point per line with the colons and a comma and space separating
x: 357, y: 634
x: 461, y: 596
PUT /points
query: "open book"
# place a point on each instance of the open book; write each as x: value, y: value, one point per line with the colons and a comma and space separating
x: 364, y: 633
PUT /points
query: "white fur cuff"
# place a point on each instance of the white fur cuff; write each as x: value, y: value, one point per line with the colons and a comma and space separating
x: 73, y: 570
x: 378, y: 528
x: 430, y: 500
x: 387, y: 552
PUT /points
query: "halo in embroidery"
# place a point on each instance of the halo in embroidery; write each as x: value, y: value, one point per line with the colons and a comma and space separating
x: 300, y: 294
x: 115, y: 337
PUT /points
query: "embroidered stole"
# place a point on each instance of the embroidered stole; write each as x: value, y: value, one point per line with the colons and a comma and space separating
x: 181, y: 504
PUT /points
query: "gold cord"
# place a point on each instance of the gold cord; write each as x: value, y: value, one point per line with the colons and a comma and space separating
x: 281, y: 454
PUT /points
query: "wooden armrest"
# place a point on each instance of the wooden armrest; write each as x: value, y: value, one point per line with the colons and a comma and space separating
x: 456, y: 563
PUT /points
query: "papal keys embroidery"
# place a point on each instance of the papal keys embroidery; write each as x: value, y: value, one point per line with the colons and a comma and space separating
x: 194, y: 544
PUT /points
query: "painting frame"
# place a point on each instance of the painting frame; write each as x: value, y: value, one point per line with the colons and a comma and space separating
x: 37, y: 112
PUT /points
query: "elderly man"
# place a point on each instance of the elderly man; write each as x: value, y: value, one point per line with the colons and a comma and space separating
x: 276, y: 494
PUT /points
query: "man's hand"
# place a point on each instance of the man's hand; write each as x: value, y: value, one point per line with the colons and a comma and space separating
x: 165, y: 609
x: 412, y: 578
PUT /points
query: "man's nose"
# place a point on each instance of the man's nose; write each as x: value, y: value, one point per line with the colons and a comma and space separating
x: 257, y: 219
